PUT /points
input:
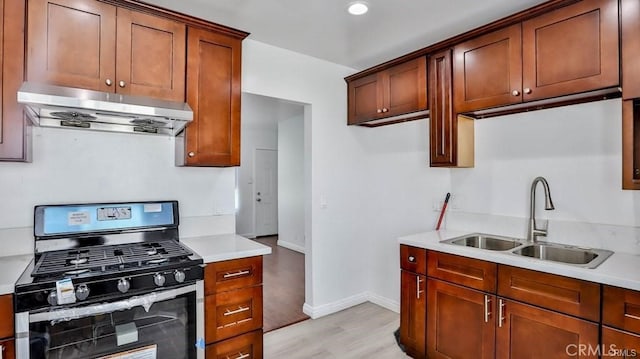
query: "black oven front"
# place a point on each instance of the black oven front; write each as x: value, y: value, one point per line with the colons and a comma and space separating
x: 158, y: 325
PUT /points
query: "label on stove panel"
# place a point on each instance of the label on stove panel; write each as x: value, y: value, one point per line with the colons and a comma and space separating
x: 148, y: 352
x: 65, y: 292
x: 78, y: 218
x: 152, y: 207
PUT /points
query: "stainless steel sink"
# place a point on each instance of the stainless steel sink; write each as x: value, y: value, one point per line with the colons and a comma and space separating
x: 577, y: 256
x: 486, y: 241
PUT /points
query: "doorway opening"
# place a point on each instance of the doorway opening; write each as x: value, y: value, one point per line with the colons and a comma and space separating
x: 271, y: 202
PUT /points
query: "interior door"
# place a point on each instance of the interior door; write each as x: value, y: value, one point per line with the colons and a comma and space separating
x: 266, y: 192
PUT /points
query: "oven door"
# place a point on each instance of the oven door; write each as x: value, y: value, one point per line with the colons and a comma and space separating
x: 157, y: 325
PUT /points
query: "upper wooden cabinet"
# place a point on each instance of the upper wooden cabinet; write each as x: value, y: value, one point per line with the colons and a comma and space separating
x: 213, y: 92
x: 116, y: 50
x: 15, y: 144
x: 395, y: 91
x: 630, y: 25
x: 570, y: 50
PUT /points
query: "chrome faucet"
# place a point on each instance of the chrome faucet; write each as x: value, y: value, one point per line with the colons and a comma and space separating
x: 533, y: 231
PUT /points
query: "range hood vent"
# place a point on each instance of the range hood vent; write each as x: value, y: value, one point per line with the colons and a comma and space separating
x: 66, y: 107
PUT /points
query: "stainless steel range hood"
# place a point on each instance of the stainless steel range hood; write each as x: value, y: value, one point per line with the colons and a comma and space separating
x: 66, y: 107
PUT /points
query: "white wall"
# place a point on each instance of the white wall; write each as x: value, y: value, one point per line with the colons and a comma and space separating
x: 71, y: 166
x: 259, y: 131
x: 291, y: 183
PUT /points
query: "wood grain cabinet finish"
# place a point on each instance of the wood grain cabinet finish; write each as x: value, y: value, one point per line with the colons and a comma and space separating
x: 570, y: 50
x: 118, y: 50
x: 213, y: 92
x: 6, y: 313
x: 620, y: 344
x: 530, y: 332
x: 398, y: 90
x: 631, y: 144
x: 245, y: 346
x: 566, y: 295
x: 621, y: 308
x: 451, y: 137
x: 468, y: 272
x: 630, y: 42
x: 234, y: 308
x: 460, y: 322
x: 413, y: 259
x: 8, y: 349
x: 15, y: 133
x: 413, y: 313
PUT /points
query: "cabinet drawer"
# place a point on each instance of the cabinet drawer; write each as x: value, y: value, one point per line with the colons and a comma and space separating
x: 621, y: 308
x: 473, y: 273
x: 7, y: 348
x: 413, y: 259
x: 6, y: 313
x: 245, y: 346
x: 566, y: 295
x: 232, y: 274
x: 621, y: 344
x: 230, y: 313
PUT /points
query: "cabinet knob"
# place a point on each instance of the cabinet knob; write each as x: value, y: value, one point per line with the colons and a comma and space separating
x: 527, y: 90
x: 515, y: 93
x: 636, y: 171
x: 122, y: 84
x: 108, y: 82
x: 379, y: 111
x: 192, y: 154
x: 411, y: 259
x: 385, y: 110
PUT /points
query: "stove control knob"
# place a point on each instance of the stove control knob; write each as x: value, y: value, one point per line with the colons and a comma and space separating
x: 82, y: 292
x: 179, y: 276
x: 52, y: 298
x: 123, y: 285
x: 159, y: 279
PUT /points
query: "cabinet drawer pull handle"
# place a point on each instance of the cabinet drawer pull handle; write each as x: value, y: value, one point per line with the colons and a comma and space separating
x: 240, y: 356
x: 108, y: 82
x: 527, y: 90
x: 412, y: 259
x: 500, y: 313
x: 418, y: 291
x: 385, y: 110
x: 515, y: 93
x: 239, y: 310
x: 487, y: 312
x: 192, y: 154
x: 122, y: 84
x: 236, y: 274
x: 379, y: 111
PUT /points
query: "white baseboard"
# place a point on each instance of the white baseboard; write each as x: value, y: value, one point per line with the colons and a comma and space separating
x: 292, y: 246
x: 342, y: 304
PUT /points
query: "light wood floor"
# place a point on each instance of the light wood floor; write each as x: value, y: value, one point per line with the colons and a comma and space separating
x: 363, y: 331
x: 283, y: 285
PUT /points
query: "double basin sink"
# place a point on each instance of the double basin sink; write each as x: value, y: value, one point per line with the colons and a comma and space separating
x: 546, y: 251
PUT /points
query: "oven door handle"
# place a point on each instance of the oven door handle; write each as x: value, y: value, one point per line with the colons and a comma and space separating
x: 62, y: 315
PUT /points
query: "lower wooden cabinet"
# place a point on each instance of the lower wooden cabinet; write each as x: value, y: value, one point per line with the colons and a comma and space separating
x: 619, y: 344
x: 525, y: 331
x: 245, y: 346
x: 7, y: 348
x: 460, y: 323
x: 413, y: 309
x: 232, y: 313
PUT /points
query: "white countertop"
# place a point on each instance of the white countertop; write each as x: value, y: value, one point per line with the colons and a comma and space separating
x: 222, y: 247
x: 619, y: 270
x: 11, y: 268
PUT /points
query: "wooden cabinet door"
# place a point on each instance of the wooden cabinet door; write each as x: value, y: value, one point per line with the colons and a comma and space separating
x: 619, y: 344
x: 570, y: 50
x: 7, y: 349
x: 365, y: 99
x: 460, y: 322
x: 405, y: 88
x: 413, y: 310
x: 630, y: 42
x: 14, y: 132
x: 228, y: 314
x: 531, y: 332
x: 213, y: 92
x: 487, y: 70
x: 245, y: 346
x: 6, y: 313
x: 150, y: 56
x: 630, y: 144
x: 442, y: 127
x: 71, y: 43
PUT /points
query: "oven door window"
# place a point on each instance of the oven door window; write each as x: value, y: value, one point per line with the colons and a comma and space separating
x: 166, y: 330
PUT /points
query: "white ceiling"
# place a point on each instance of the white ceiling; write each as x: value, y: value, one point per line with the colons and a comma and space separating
x: 323, y: 28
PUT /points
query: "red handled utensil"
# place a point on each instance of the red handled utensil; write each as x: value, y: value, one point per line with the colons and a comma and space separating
x: 444, y: 208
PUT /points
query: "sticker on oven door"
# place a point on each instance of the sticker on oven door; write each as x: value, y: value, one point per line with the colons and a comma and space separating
x: 148, y: 352
x: 152, y: 207
x: 65, y: 292
x: 78, y: 218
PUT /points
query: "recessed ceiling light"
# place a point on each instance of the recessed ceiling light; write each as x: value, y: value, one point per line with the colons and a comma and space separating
x: 358, y: 8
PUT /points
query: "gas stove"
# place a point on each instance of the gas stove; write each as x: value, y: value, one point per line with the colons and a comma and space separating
x: 93, y: 253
